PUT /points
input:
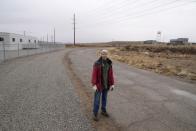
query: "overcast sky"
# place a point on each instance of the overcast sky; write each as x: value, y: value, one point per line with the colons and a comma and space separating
x: 100, y: 20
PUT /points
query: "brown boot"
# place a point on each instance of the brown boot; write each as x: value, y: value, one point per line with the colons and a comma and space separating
x: 95, y: 117
x: 104, y: 113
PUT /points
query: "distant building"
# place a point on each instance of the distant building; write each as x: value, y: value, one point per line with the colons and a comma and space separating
x: 179, y: 41
x: 150, y: 42
x: 11, y: 41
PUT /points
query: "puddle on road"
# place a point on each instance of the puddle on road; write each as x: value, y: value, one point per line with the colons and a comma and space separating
x: 185, y: 93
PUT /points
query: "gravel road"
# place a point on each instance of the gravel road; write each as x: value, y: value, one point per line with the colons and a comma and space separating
x: 142, y: 100
x: 36, y: 95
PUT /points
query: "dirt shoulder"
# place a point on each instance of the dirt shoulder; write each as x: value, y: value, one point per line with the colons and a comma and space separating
x: 178, y: 61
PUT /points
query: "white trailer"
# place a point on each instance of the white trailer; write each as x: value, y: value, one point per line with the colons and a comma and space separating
x: 11, y: 41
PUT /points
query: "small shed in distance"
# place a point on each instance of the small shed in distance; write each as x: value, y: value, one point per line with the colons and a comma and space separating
x: 179, y: 41
x: 150, y: 42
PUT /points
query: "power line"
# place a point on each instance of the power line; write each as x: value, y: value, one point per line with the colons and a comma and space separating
x: 125, y: 2
x: 104, y: 6
x: 144, y: 11
x: 124, y: 6
x: 139, y: 13
x: 106, y: 15
x: 104, y: 11
x: 112, y: 14
x: 154, y: 10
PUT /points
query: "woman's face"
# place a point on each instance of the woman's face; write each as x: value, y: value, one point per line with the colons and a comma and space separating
x: 104, y: 55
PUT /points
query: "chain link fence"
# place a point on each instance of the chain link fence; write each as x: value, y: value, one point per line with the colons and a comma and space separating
x: 9, y: 51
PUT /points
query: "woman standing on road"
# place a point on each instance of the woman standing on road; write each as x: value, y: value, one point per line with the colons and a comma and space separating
x: 102, y: 81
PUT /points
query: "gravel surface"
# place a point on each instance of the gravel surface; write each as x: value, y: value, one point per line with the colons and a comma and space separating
x: 142, y: 100
x: 36, y: 94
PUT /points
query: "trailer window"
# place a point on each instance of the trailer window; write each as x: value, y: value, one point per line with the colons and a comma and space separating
x: 34, y: 41
x: 29, y: 41
x: 13, y: 39
x: 1, y: 39
x: 20, y: 40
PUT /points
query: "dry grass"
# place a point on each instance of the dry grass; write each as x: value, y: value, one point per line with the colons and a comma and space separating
x: 180, y: 49
x: 169, y: 60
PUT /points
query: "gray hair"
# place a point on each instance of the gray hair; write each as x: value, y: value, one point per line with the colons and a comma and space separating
x: 104, y: 51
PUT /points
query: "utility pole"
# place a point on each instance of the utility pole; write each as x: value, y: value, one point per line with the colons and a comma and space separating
x: 54, y: 35
x: 51, y: 38
x: 3, y: 51
x: 24, y: 33
x: 47, y: 38
x: 74, y: 29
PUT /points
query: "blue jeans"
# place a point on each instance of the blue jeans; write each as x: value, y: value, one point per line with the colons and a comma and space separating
x: 97, y: 101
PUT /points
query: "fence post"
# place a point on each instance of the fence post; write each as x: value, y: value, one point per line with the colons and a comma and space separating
x: 26, y: 48
x: 18, y: 49
x: 3, y: 52
x: 35, y: 48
